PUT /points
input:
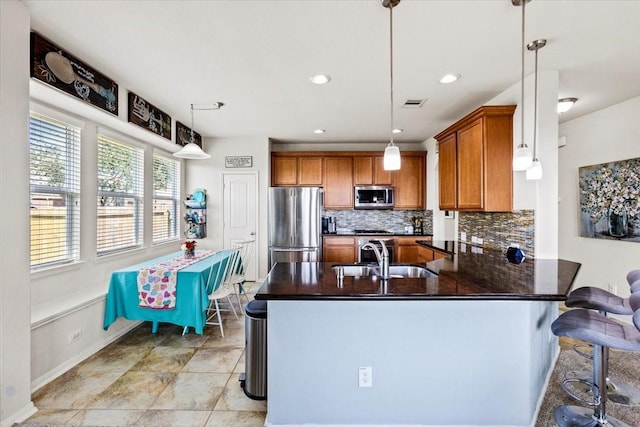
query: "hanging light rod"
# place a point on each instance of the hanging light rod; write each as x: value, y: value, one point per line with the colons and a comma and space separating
x: 522, y: 158
x: 391, y: 159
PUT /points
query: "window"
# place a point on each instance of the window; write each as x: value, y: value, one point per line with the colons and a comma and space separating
x: 54, y: 163
x: 166, y: 198
x: 120, y: 191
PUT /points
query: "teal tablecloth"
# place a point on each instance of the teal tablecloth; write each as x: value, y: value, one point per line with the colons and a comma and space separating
x: 191, y: 294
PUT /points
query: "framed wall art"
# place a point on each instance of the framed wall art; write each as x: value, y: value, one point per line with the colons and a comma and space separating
x: 610, y: 200
x: 183, y: 135
x: 65, y: 72
x: 146, y: 115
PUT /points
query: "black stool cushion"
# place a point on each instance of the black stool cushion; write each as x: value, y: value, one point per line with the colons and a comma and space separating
x: 598, y: 299
x: 590, y: 326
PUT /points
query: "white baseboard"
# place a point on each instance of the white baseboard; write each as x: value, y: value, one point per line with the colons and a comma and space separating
x: 70, y: 363
x: 20, y: 416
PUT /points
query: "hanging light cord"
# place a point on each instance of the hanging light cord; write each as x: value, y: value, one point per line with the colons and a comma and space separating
x: 391, y: 66
x: 192, y: 138
x: 522, y: 144
x: 535, y: 109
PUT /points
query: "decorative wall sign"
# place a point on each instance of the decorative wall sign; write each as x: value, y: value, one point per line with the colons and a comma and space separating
x: 238, y: 161
x: 610, y: 200
x: 148, y: 116
x: 52, y: 65
x: 183, y: 135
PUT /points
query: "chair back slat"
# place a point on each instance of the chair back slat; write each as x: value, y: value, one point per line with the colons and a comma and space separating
x: 220, y: 262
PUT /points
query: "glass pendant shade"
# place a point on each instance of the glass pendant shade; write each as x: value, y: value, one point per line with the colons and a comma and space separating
x: 534, y: 172
x: 191, y: 151
x: 391, y: 158
x: 522, y: 159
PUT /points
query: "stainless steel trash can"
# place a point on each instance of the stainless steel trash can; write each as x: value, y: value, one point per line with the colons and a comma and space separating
x: 254, y: 380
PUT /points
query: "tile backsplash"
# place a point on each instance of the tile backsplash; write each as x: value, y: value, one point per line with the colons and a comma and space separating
x: 390, y: 220
x: 499, y: 229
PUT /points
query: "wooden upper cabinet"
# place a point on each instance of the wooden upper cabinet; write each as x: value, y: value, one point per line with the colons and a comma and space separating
x: 284, y: 170
x: 287, y: 169
x: 310, y: 171
x: 482, y: 161
x: 363, y: 170
x: 469, y: 165
x: 381, y: 176
x: 410, y: 182
x: 338, y: 182
x: 369, y: 170
x: 447, y: 173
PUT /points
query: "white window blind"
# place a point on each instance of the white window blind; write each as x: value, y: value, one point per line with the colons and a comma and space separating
x: 120, y: 191
x: 166, y: 198
x: 54, y: 163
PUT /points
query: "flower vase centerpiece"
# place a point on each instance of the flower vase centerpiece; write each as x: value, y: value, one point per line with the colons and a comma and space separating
x: 189, y: 248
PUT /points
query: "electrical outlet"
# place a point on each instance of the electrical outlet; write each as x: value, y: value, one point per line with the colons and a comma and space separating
x: 613, y: 289
x: 463, y: 236
x: 365, y: 377
x: 75, y: 335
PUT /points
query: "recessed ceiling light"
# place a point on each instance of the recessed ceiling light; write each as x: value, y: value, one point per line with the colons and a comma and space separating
x: 397, y: 130
x: 319, y: 131
x: 449, y: 78
x: 565, y: 104
x: 320, y: 79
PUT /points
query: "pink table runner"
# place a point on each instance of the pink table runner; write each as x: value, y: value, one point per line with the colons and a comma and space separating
x: 157, y: 284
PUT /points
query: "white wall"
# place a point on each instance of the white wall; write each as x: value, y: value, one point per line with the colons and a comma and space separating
x: 207, y: 174
x: 604, y: 136
x: 15, y: 390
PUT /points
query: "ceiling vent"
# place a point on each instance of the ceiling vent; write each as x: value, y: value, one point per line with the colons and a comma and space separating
x: 413, y: 103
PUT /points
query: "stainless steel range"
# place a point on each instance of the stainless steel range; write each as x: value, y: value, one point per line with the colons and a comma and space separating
x: 368, y: 255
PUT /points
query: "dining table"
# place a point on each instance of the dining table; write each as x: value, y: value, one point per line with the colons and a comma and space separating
x: 191, y: 303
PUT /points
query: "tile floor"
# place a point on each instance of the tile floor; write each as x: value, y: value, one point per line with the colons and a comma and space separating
x: 163, y: 379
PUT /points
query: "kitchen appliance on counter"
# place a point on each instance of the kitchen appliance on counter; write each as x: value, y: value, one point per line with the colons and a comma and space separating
x: 329, y: 225
x: 295, y: 224
x: 368, y: 255
x: 373, y: 197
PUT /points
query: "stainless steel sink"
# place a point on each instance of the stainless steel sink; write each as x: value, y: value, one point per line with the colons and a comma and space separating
x: 410, y: 271
x: 356, y: 270
x: 398, y: 271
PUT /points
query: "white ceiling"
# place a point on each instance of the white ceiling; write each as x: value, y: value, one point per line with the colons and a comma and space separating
x: 257, y: 57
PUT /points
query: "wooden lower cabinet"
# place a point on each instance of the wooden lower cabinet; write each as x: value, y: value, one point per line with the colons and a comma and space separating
x: 407, y: 250
x: 339, y: 249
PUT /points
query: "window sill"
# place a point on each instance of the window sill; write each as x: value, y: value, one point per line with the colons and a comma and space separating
x: 41, y: 272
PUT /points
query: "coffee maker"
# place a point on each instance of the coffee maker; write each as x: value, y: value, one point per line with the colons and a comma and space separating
x: 329, y: 225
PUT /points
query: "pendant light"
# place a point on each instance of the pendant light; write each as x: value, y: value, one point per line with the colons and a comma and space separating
x: 534, y: 172
x: 522, y: 157
x: 191, y: 150
x: 391, y: 158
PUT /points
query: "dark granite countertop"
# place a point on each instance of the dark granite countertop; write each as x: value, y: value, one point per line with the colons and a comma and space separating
x: 448, y: 246
x: 390, y: 234
x: 467, y: 275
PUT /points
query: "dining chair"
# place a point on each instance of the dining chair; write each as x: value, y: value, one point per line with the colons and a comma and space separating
x: 238, y: 275
x: 220, y: 288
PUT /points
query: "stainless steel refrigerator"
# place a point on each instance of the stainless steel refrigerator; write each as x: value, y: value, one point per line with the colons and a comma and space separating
x: 295, y: 224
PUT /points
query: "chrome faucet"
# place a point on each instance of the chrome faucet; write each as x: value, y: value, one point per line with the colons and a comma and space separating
x: 382, y: 257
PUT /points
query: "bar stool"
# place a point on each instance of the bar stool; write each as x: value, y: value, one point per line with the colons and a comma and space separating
x: 605, y: 302
x: 603, y: 333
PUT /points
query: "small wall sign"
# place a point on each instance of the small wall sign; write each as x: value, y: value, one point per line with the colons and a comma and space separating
x: 238, y: 161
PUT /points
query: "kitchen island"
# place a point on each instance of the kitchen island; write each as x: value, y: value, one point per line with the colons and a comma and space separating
x: 470, y: 347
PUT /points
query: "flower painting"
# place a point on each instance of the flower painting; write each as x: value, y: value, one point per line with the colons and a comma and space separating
x: 610, y: 200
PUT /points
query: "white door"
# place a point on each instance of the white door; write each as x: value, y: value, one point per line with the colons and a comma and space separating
x: 240, y: 213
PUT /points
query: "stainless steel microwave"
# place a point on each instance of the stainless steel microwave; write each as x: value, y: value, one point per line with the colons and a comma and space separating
x: 373, y: 197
